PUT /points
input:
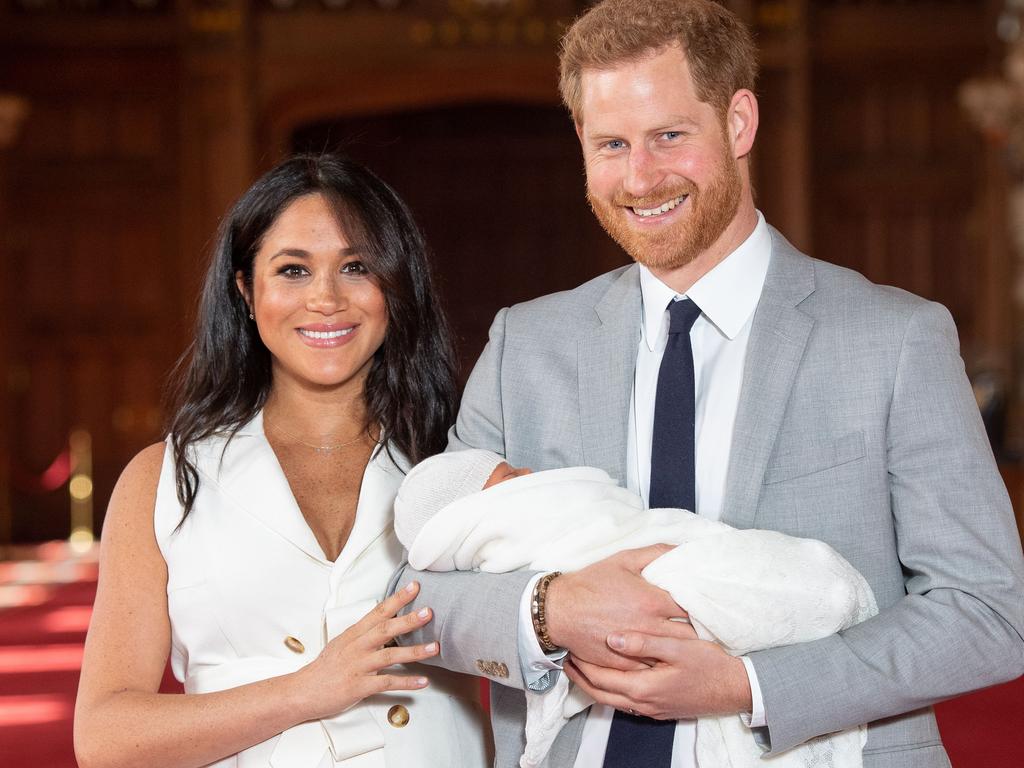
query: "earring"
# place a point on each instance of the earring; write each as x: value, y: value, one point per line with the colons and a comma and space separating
x: 252, y: 316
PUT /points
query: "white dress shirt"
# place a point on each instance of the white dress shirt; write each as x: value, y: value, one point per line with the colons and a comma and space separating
x: 727, y: 297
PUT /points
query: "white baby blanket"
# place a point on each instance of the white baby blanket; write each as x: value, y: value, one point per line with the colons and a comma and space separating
x: 744, y: 589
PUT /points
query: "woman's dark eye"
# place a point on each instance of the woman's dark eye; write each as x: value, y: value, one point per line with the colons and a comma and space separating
x: 354, y: 268
x: 292, y: 270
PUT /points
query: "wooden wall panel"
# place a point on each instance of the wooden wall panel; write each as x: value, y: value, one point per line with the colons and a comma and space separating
x: 781, y: 158
x: 93, y: 244
x: 895, y: 165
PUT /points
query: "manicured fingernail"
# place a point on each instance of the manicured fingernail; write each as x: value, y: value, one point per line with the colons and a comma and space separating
x: 618, y: 642
x: 430, y: 647
x: 411, y: 586
x: 423, y: 613
x: 421, y: 681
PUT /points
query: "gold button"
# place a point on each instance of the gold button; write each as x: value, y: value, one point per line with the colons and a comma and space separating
x: 398, y: 716
x: 294, y: 644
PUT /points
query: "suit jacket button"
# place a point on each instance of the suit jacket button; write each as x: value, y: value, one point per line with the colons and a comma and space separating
x: 492, y: 668
x: 294, y: 644
x: 398, y: 716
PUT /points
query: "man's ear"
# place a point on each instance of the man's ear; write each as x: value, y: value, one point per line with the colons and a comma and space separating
x: 243, y: 288
x: 741, y: 122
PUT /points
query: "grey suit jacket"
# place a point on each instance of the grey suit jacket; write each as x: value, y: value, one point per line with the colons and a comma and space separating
x: 856, y: 426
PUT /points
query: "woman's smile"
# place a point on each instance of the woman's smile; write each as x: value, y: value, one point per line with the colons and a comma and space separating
x: 327, y: 336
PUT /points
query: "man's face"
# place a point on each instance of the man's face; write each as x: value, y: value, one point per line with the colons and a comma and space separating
x: 661, y: 175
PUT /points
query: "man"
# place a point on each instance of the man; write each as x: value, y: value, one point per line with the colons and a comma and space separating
x: 729, y: 374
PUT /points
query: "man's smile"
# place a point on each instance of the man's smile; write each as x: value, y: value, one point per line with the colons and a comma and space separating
x: 665, y: 207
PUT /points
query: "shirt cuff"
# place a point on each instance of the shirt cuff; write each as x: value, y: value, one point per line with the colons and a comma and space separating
x: 756, y: 718
x: 540, y: 670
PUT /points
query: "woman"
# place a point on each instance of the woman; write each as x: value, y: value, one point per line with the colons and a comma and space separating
x: 254, y: 546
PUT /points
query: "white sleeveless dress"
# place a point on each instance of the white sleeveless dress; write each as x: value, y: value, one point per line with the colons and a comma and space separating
x: 246, y: 578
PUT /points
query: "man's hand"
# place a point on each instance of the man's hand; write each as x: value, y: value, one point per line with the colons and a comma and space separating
x: 689, y: 678
x: 584, y: 606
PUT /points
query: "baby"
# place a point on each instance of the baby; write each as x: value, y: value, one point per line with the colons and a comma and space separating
x: 744, y: 589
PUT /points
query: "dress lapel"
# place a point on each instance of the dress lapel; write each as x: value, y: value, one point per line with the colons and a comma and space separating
x: 606, y: 360
x: 270, y: 500
x: 778, y: 336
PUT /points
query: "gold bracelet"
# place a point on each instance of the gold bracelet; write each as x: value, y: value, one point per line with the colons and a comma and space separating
x: 537, y: 611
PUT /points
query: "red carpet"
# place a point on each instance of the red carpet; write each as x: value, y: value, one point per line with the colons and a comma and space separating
x: 44, y: 612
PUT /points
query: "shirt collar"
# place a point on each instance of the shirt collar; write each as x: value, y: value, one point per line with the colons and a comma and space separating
x: 727, y: 295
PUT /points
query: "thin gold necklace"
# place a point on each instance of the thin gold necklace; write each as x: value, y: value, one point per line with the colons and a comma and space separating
x: 320, y: 448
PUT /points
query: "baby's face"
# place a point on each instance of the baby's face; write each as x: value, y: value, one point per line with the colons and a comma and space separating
x: 503, y: 472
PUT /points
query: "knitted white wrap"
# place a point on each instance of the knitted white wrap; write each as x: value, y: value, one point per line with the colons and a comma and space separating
x: 744, y: 589
x: 436, y: 482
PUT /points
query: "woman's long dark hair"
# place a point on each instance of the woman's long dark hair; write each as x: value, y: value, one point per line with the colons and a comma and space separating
x: 225, y: 376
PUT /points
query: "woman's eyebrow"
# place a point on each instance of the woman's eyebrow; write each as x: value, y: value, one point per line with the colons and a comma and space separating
x: 299, y: 253
x: 295, y: 253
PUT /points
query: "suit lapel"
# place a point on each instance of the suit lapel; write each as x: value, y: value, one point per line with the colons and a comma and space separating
x: 606, y: 361
x: 778, y: 336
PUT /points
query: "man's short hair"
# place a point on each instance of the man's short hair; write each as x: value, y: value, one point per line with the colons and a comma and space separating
x: 718, y: 45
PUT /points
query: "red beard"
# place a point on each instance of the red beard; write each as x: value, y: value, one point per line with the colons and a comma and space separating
x: 710, y: 211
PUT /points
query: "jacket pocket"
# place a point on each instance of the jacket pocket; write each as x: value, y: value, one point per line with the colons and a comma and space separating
x: 815, y: 457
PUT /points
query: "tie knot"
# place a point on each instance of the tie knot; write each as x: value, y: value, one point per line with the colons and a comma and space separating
x: 683, y: 314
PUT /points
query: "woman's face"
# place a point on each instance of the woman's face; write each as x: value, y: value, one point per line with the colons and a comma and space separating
x: 318, y: 309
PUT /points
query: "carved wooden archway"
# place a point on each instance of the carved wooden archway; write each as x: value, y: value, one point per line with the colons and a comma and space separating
x: 398, y: 90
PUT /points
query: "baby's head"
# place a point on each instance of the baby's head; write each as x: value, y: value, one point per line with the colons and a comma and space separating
x: 503, y: 472
x: 436, y: 482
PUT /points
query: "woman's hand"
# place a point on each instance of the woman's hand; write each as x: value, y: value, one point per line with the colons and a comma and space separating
x: 348, y: 669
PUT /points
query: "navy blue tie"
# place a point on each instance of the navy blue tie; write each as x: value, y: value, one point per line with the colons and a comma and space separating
x: 673, y: 451
x: 635, y: 741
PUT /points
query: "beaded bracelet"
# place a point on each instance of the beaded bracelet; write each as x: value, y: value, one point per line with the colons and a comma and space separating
x: 537, y: 611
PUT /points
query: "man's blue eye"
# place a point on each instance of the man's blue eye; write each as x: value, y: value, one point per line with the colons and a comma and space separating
x: 672, y: 135
x: 616, y: 144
